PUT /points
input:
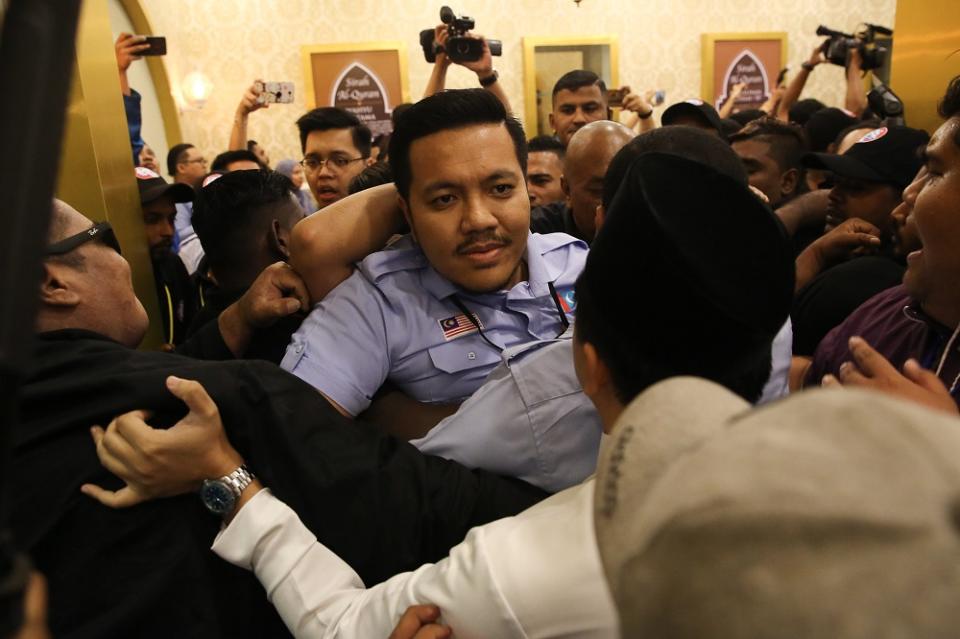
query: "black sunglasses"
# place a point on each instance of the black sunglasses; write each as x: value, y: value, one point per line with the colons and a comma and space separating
x: 102, y: 232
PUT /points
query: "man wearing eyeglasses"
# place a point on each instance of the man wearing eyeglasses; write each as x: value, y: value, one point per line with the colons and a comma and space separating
x: 336, y: 148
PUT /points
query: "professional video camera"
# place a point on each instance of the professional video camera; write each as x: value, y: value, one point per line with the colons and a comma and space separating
x: 838, y: 44
x: 459, y: 47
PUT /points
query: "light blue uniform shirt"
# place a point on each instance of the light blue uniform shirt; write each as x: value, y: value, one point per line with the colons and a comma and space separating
x: 395, y: 319
x: 529, y: 420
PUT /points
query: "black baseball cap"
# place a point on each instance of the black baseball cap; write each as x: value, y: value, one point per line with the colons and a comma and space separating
x: 152, y: 186
x: 823, y: 127
x: 887, y: 155
x: 693, y: 108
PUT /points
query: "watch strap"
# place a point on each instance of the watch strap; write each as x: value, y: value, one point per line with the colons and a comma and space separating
x: 238, y: 480
x: 490, y: 79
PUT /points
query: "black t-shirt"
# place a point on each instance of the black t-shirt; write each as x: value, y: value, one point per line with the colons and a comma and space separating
x: 268, y: 343
x: 833, y: 295
x: 147, y: 571
x: 177, y: 295
x: 555, y: 217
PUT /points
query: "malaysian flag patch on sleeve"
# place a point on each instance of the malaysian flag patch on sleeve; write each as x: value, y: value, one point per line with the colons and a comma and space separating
x: 458, y: 325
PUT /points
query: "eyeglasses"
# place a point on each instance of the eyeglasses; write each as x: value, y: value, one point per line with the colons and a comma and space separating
x: 101, y: 232
x: 335, y: 163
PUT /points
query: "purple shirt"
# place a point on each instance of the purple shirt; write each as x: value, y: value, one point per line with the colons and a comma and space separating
x: 893, y: 324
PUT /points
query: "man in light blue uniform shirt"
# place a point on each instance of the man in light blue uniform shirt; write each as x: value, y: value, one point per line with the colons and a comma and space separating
x: 433, y: 313
x: 397, y: 318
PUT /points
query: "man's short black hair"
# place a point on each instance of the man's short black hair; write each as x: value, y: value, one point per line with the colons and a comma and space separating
x: 371, y: 176
x: 327, y: 118
x: 801, y: 111
x: 632, y: 372
x: 746, y: 117
x: 548, y: 144
x: 949, y: 106
x: 398, y: 111
x: 251, y: 144
x: 452, y: 109
x: 177, y: 154
x: 787, y: 142
x: 226, y: 214
x: 686, y: 141
x: 226, y: 158
x: 573, y: 80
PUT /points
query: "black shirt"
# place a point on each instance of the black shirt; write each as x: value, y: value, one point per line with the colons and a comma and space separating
x: 374, y: 500
x: 555, y: 217
x: 833, y: 295
x: 177, y: 296
x: 268, y: 343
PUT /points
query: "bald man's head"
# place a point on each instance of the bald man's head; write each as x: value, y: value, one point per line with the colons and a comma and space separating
x: 89, y: 287
x: 584, y: 166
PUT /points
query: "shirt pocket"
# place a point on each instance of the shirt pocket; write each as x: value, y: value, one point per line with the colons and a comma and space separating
x: 457, y: 357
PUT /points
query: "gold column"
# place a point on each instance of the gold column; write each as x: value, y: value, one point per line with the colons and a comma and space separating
x: 926, y: 35
x: 96, y: 165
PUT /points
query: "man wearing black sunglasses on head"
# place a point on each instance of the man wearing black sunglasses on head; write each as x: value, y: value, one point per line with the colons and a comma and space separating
x: 148, y: 572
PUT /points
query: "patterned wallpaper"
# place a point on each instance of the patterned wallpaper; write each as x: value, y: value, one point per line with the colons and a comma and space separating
x: 235, y: 41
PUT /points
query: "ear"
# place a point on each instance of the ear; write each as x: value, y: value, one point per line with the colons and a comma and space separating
x: 279, y: 240
x: 405, y: 209
x: 55, y: 290
x: 599, y: 217
x: 370, y: 161
x: 550, y: 119
x: 594, y: 375
x: 565, y: 187
x: 789, y: 181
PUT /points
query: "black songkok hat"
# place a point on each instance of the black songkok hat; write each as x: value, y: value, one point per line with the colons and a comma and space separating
x: 690, y: 265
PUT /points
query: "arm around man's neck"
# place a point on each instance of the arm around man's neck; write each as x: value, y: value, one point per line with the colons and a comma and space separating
x: 325, y: 246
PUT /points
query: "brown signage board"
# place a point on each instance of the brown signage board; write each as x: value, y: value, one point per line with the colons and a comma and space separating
x: 368, y: 80
x: 754, y: 59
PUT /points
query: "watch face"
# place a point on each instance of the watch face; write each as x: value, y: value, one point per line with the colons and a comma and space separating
x: 217, y: 497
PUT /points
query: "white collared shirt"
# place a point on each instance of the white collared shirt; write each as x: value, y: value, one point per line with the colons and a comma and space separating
x: 537, y: 574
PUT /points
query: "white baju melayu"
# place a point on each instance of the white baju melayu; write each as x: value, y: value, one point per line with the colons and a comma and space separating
x: 537, y: 574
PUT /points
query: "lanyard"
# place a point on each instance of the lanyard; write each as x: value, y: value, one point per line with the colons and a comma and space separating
x: 476, y: 324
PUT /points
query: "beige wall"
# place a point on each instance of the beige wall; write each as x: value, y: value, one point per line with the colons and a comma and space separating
x: 237, y: 40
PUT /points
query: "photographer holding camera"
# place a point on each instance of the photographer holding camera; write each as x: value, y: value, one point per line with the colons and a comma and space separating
x: 855, y: 101
x: 454, y: 26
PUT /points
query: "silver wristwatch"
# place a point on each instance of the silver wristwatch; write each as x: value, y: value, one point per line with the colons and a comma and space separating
x: 220, y: 495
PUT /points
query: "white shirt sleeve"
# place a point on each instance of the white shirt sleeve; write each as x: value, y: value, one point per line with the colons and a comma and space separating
x: 318, y: 595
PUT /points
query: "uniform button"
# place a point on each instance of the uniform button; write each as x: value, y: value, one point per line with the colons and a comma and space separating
x: 471, y: 355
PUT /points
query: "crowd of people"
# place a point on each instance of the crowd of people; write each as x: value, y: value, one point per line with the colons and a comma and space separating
x: 468, y: 384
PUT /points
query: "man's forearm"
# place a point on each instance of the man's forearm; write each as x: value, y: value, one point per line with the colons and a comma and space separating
x: 497, y: 89
x: 792, y: 94
x: 325, y: 246
x: 856, y: 99
x: 236, y: 332
x: 238, y: 134
x: 437, y: 81
x: 809, y: 264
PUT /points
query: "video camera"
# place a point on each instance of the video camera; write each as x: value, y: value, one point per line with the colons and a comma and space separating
x: 837, y: 46
x: 460, y: 47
